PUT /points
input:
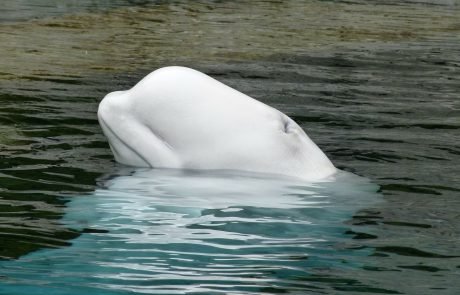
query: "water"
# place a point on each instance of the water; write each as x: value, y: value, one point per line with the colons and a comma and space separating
x: 375, y: 86
x: 170, y: 231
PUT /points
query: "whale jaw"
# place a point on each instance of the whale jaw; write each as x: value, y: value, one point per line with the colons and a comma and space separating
x: 111, y: 110
x: 132, y: 142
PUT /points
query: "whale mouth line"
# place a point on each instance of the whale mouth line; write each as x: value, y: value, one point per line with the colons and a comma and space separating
x: 110, y: 130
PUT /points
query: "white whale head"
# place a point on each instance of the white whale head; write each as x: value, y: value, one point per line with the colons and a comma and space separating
x: 177, y: 117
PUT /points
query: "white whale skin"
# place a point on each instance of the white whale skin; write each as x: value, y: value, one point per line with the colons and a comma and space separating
x: 177, y: 117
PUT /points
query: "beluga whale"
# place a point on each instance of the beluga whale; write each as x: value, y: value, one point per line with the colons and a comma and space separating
x: 177, y: 117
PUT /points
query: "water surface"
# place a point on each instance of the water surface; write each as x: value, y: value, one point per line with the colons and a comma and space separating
x: 376, y: 86
x: 168, y: 231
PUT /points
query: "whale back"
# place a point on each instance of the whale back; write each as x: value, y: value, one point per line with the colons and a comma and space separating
x: 177, y: 117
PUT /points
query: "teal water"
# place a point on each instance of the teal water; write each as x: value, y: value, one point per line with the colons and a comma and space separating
x: 167, y: 231
x: 375, y: 85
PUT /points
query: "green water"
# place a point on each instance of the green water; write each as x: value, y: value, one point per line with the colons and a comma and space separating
x: 376, y: 86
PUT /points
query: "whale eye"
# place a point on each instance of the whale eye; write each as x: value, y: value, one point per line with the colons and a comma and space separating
x: 287, y: 125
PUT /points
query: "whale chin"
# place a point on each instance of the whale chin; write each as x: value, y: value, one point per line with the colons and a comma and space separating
x: 177, y: 117
x: 121, y: 150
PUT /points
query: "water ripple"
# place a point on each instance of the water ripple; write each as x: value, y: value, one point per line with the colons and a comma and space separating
x: 374, y: 84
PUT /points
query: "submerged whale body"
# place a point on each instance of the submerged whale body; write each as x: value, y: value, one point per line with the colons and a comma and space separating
x: 168, y: 231
x: 177, y: 117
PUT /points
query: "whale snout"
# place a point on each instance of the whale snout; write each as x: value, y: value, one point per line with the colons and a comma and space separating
x: 113, y: 104
x: 114, y: 119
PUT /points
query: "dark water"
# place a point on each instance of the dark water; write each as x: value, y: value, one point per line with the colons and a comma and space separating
x: 377, y: 87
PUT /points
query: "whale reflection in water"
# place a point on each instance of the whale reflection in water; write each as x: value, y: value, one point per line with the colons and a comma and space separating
x: 182, y: 230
